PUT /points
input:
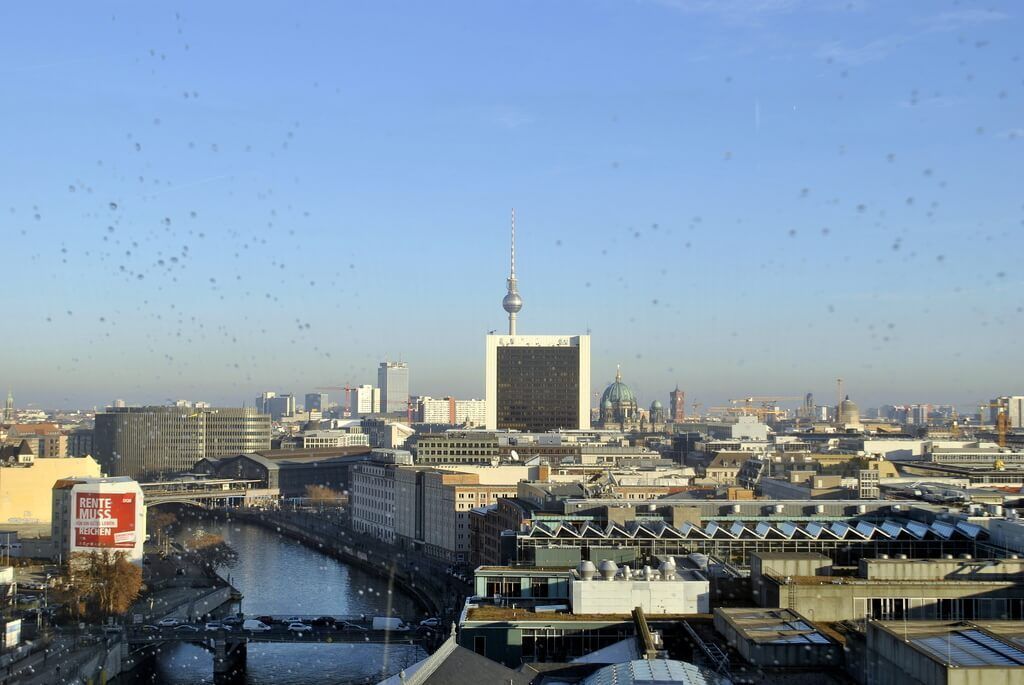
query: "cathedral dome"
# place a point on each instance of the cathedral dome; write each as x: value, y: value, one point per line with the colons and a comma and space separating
x: 618, y: 393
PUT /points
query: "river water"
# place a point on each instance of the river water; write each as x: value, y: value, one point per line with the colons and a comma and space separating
x: 277, y: 575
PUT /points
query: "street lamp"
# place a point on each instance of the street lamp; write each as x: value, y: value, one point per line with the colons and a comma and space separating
x: 43, y: 623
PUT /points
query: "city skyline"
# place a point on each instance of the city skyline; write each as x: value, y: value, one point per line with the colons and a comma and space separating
x: 735, y: 200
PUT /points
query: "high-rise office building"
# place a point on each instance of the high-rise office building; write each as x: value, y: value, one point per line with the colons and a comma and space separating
x: 1016, y: 411
x: 261, y: 402
x: 393, y: 380
x: 538, y: 383
x: 280, y: 406
x: 535, y: 383
x: 315, y: 401
x: 141, y: 442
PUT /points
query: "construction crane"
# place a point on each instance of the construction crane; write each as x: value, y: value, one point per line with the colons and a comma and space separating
x: 348, y: 392
x: 767, y: 405
x: 759, y: 412
x: 765, y: 401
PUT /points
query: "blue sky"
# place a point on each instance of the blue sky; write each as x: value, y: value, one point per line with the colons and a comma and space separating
x: 205, y: 200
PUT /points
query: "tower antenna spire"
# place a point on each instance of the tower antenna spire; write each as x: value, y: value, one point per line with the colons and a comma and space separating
x: 512, y: 302
x: 513, y: 270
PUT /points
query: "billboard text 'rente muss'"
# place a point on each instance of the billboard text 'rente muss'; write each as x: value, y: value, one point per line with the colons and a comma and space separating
x: 104, y: 520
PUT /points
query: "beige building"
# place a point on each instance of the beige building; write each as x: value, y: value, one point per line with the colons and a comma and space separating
x: 26, y: 490
x: 447, y: 501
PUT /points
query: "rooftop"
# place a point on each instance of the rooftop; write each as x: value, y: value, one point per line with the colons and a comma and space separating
x: 773, y: 626
x: 995, y: 644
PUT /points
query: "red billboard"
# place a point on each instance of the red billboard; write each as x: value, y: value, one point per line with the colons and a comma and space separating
x: 105, y: 520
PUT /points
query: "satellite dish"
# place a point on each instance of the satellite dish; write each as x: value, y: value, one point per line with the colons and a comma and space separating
x: 513, y: 455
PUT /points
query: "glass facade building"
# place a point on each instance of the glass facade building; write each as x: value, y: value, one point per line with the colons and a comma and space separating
x: 144, y: 442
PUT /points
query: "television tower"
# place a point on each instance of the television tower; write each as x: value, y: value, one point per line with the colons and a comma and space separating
x: 512, y: 303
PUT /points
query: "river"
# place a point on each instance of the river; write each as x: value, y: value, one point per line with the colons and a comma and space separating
x: 277, y: 575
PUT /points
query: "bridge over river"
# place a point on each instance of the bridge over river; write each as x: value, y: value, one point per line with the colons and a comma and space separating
x: 357, y: 629
x: 228, y: 643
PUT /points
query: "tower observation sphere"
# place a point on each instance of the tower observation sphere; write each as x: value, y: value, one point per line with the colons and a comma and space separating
x: 512, y: 303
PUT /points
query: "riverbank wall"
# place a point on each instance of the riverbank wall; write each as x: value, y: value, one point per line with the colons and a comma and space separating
x: 425, y: 584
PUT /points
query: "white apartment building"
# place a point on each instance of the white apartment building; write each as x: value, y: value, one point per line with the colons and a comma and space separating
x: 333, y: 438
x: 449, y: 410
x: 365, y: 400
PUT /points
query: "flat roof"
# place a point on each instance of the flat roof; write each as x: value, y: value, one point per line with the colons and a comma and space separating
x: 491, y: 613
x: 773, y: 626
x: 984, y: 644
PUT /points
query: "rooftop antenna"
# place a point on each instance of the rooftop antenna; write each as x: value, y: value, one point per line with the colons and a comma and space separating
x: 512, y: 303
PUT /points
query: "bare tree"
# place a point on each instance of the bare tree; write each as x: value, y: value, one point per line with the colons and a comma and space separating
x: 98, y: 584
x: 325, y: 496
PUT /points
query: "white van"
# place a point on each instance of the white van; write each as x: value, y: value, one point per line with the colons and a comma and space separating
x: 389, y: 623
x: 254, y: 626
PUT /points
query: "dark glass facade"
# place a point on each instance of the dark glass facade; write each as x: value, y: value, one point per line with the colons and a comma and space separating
x: 538, y: 388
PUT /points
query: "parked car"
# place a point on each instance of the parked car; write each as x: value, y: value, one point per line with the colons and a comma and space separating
x: 323, y: 621
x: 299, y: 627
x: 232, y: 621
x: 292, y: 619
x: 150, y: 628
x: 432, y: 622
x: 185, y: 628
x: 217, y: 625
x: 345, y: 625
x: 169, y: 622
x: 269, y: 620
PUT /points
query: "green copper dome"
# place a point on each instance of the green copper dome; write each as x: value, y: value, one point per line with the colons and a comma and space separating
x: 618, y: 393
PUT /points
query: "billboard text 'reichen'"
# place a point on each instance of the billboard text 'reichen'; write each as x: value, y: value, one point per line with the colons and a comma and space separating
x: 105, y: 520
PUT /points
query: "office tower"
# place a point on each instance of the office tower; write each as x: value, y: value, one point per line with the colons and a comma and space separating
x: 535, y: 383
x: 538, y: 383
x: 393, y: 379
x: 365, y: 400
x: 262, y: 400
x: 677, y: 405
x: 142, y: 442
x: 1016, y: 411
x: 280, y: 406
x: 315, y: 401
